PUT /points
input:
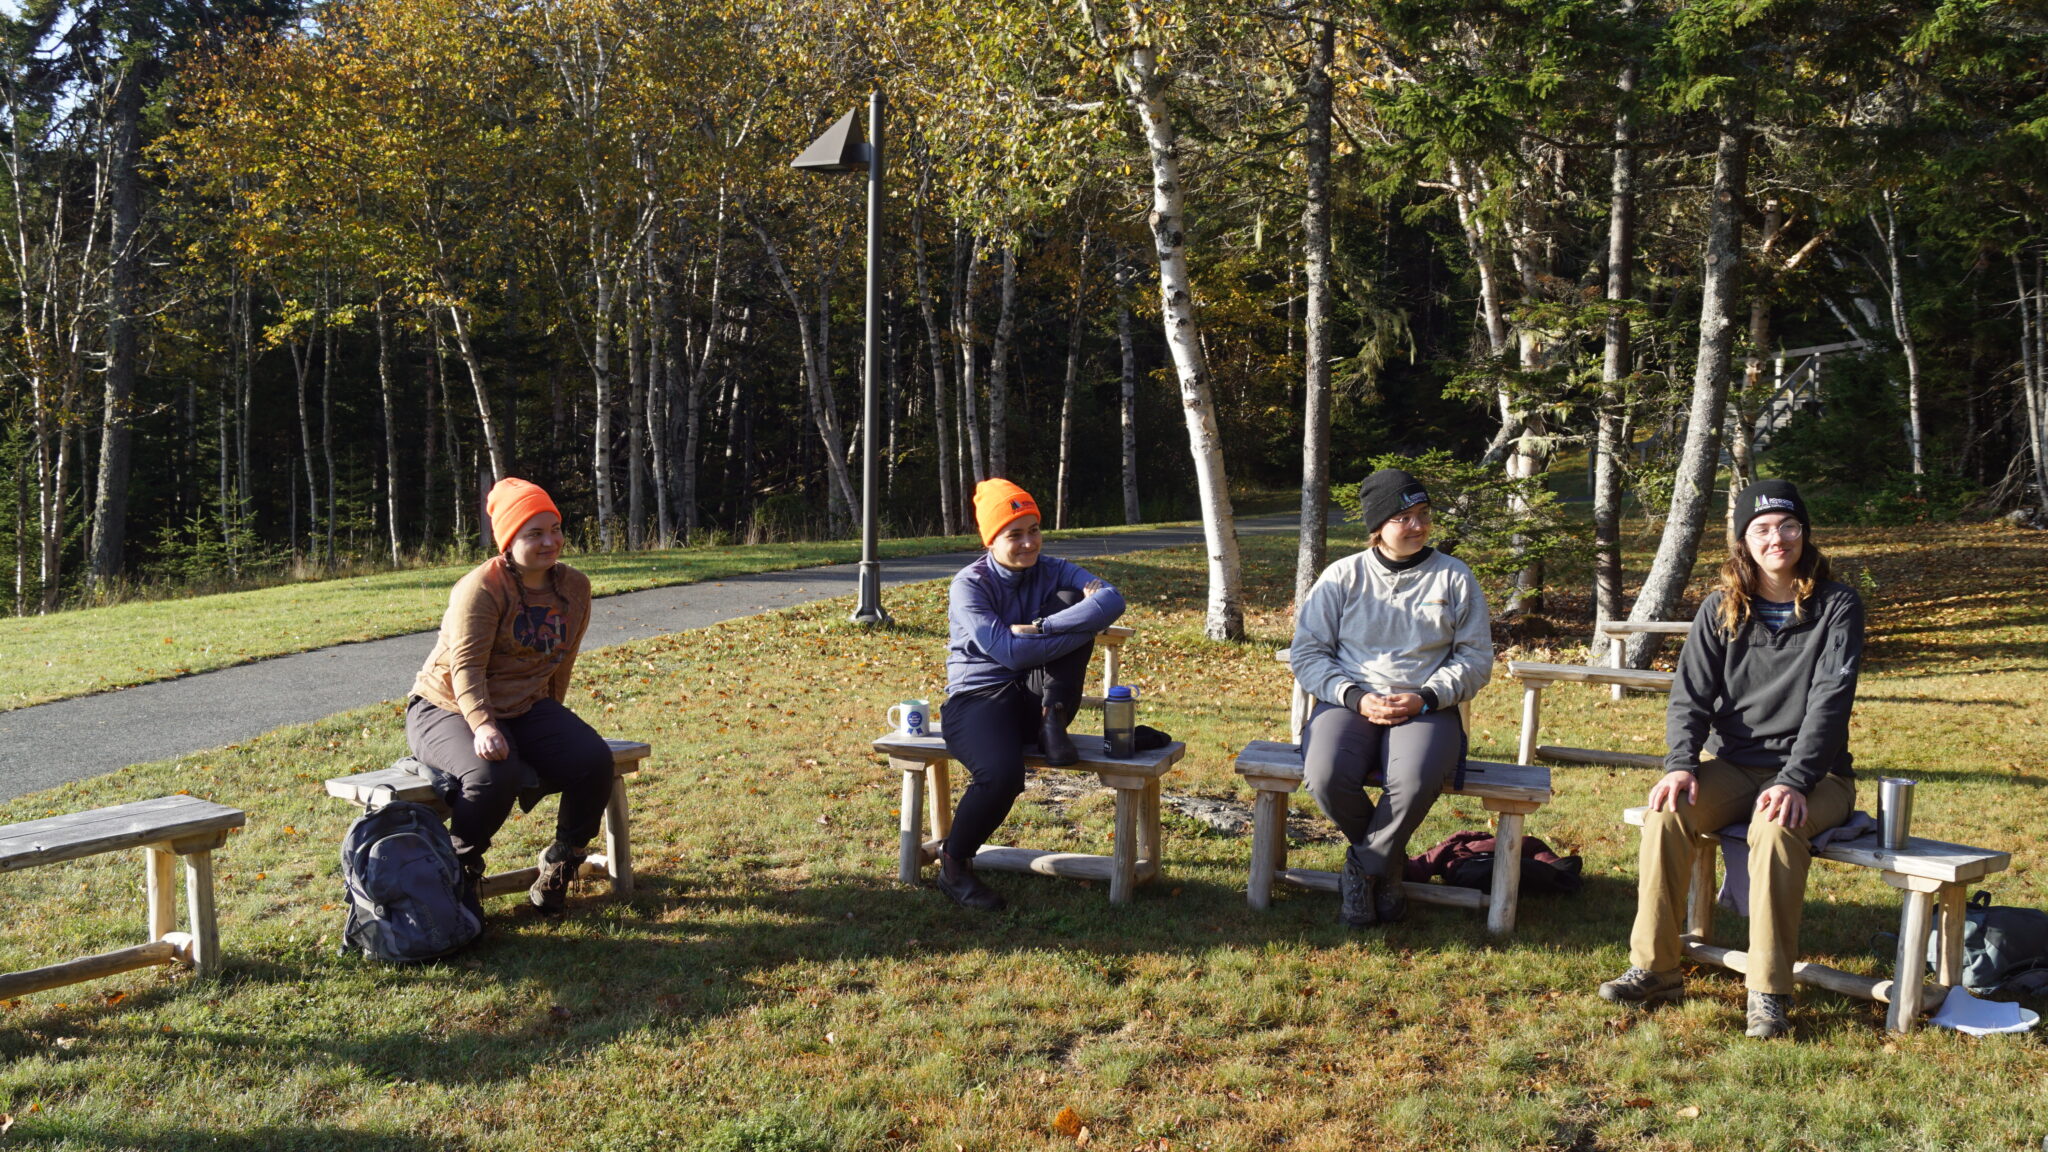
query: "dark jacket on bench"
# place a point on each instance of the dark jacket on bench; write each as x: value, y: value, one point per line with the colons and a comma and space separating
x: 1770, y: 700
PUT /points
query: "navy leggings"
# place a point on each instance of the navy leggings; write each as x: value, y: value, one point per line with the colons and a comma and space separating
x: 553, y: 750
x: 987, y: 729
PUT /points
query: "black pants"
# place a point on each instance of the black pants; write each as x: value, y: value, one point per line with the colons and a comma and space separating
x: 553, y: 750
x: 986, y: 731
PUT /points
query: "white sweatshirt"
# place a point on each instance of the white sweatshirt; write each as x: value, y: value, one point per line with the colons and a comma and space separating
x: 1387, y: 631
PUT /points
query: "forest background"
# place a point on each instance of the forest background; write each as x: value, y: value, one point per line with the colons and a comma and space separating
x: 290, y: 283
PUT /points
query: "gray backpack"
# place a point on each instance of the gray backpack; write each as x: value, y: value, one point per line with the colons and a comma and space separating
x: 2005, y: 950
x: 402, y: 882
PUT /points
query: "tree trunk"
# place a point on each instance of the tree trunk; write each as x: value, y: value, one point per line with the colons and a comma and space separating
x: 1664, y: 588
x: 2034, y: 375
x: 1313, y: 550
x: 942, y: 393
x: 1138, y: 68
x: 302, y: 370
x: 459, y: 320
x: 1615, y: 364
x: 601, y: 409
x: 1904, y: 331
x: 328, y: 336
x: 386, y: 392
x: 1072, y: 382
x: 818, y: 386
x: 636, y: 430
x: 110, y: 500
x: 999, y: 369
x: 1128, y: 408
x: 966, y: 338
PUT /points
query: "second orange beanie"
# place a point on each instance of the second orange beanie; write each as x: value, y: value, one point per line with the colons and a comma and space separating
x: 511, y: 504
x: 997, y: 503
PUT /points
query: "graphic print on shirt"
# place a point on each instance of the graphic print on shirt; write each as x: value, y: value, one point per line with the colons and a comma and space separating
x: 540, y: 627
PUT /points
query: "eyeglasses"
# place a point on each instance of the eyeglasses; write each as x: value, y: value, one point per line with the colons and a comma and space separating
x: 1412, y: 520
x: 1789, y: 530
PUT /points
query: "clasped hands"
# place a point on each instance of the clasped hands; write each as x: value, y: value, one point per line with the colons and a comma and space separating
x: 1390, y: 710
x: 1781, y: 804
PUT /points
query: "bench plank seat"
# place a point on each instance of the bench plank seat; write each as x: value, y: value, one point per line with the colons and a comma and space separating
x: 1931, y: 875
x: 1511, y: 791
x: 1135, y: 850
x: 615, y: 863
x: 165, y: 829
x: 165, y: 820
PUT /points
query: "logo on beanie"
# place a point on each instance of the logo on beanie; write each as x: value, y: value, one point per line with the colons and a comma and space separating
x: 1016, y: 505
x: 1767, y: 503
x: 1414, y: 496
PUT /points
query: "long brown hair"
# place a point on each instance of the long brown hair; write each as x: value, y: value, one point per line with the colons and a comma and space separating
x: 1740, y: 579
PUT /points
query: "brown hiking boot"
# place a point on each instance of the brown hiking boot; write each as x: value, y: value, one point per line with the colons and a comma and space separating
x: 558, y: 868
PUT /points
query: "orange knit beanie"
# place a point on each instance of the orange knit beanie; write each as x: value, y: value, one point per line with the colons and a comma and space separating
x: 511, y: 504
x: 997, y: 502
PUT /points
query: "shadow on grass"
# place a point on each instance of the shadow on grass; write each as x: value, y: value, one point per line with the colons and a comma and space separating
x: 95, y: 1135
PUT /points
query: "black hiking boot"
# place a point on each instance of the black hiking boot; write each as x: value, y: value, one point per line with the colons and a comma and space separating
x: 558, y: 868
x: 1059, y: 751
x: 469, y: 889
x: 1390, y: 900
x: 964, y: 888
x: 1356, y: 902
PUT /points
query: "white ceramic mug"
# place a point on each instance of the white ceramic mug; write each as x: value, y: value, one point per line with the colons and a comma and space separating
x: 908, y: 718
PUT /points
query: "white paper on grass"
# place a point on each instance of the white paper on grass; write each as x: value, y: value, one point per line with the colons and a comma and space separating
x: 1965, y: 1013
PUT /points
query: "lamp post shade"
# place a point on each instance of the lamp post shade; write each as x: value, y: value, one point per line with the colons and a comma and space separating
x: 840, y: 149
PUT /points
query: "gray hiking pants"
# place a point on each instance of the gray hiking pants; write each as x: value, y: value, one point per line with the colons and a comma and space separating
x: 1343, y: 752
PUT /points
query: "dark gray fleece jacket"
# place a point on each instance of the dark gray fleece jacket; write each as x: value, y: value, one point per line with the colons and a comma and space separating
x: 1770, y: 700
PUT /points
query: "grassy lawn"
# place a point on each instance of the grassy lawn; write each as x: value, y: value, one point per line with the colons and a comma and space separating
x: 771, y: 986
x: 45, y: 658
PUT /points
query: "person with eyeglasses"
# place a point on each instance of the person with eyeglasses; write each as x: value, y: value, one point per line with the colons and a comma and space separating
x: 1389, y: 641
x: 1758, y: 731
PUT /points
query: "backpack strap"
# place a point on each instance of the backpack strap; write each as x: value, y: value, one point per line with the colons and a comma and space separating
x: 371, y: 804
x: 1982, y: 899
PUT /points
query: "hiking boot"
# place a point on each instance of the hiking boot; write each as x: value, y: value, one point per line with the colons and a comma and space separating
x: 964, y: 888
x: 1769, y: 1015
x: 1642, y: 986
x: 1356, y: 905
x: 469, y: 889
x: 558, y: 868
x: 1390, y: 900
x: 1059, y: 751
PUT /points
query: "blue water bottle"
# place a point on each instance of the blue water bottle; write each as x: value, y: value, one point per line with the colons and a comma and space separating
x: 1120, y: 721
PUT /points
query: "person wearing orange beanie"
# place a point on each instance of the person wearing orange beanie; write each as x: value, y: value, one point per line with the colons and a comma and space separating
x: 1021, y: 629
x: 487, y: 708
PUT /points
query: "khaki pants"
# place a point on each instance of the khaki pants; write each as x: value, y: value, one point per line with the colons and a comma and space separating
x: 1778, y: 860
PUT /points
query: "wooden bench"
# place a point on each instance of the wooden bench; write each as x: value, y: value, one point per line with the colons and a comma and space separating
x: 616, y: 861
x: 1511, y: 791
x: 165, y: 829
x: 1534, y: 676
x: 1932, y: 877
x: 1135, y: 849
x: 1617, y: 633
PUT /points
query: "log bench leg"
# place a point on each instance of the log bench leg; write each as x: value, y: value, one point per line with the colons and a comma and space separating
x: 199, y: 907
x: 1532, y: 713
x: 1507, y: 865
x: 1269, y: 845
x: 1148, y: 831
x: 1699, y: 903
x: 1949, y: 906
x: 938, y: 791
x: 1123, y: 877
x: 161, y: 868
x: 618, y: 839
x: 1916, y: 920
x: 911, y: 820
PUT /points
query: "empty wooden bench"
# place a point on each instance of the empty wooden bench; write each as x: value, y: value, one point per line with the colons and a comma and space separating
x: 1135, y: 850
x: 616, y: 861
x: 1511, y: 791
x: 1932, y: 877
x: 165, y: 829
x: 1535, y: 676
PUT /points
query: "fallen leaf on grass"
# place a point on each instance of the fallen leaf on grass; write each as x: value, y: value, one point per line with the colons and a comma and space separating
x: 1067, y: 1123
x: 1690, y: 1111
x: 1641, y: 1102
x: 6, y: 1122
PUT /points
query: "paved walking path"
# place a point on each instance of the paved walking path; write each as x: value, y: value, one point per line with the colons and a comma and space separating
x: 49, y: 744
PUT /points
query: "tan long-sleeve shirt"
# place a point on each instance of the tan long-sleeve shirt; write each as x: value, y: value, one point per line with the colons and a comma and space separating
x: 503, y: 647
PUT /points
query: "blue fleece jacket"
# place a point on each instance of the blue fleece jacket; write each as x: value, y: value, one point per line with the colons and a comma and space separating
x: 986, y: 599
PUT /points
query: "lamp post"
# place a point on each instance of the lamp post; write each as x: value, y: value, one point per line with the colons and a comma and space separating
x: 841, y: 149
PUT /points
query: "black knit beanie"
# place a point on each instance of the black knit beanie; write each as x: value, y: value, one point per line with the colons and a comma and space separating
x: 1765, y: 497
x: 1386, y: 494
